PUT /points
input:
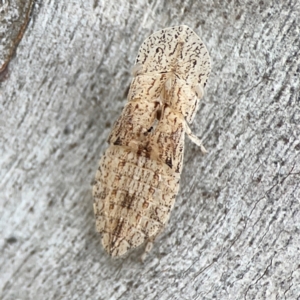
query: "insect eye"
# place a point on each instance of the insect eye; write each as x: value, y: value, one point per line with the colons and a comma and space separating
x: 137, y: 69
x: 199, y: 91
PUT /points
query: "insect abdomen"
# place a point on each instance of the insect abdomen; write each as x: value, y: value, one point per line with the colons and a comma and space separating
x: 135, y: 199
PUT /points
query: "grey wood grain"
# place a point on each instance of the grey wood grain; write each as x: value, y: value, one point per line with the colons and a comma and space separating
x: 234, y: 231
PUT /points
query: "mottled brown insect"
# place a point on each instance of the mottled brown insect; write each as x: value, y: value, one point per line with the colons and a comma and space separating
x: 138, y: 176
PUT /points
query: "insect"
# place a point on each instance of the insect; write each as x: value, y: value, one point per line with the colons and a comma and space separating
x: 138, y: 175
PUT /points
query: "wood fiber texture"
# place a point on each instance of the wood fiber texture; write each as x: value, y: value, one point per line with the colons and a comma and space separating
x: 234, y: 230
x: 14, y: 16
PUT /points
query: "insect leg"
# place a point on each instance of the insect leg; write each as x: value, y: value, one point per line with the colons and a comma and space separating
x: 194, y: 138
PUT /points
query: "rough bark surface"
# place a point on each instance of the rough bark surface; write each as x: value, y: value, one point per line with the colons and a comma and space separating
x: 235, y: 230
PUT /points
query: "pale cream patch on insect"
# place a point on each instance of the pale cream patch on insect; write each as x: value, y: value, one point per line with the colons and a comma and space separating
x: 138, y: 176
x: 168, y: 84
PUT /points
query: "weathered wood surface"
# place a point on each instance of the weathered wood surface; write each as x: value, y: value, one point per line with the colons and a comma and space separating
x: 235, y: 229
